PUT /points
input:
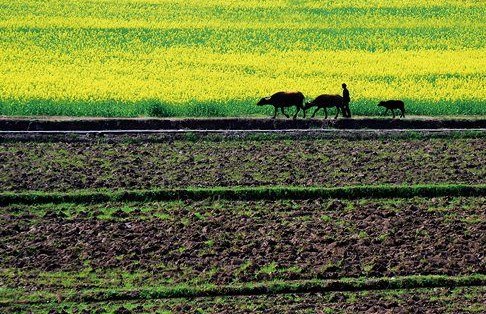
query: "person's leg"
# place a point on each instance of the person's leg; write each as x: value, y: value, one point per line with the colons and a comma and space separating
x: 346, y: 111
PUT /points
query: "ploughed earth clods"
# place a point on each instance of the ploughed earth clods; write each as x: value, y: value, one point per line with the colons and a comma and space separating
x: 232, y: 241
x: 67, y: 166
x: 73, y: 247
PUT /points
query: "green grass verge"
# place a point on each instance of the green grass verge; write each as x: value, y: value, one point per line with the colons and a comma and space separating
x: 227, y: 108
x: 245, y: 193
x: 11, y: 296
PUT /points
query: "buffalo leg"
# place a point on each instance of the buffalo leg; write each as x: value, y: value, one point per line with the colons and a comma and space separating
x: 403, y: 113
x: 283, y: 112
x: 393, y: 111
x: 337, y: 112
x: 296, y: 113
x: 325, y: 113
x: 275, y: 114
x: 315, y: 111
x: 386, y: 111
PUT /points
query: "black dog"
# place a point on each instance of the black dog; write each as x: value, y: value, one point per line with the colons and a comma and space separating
x: 392, y: 105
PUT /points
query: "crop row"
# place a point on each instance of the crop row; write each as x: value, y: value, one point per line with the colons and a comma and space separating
x: 275, y: 287
x: 250, y: 14
x: 437, y: 300
x: 241, y: 193
x: 186, y: 81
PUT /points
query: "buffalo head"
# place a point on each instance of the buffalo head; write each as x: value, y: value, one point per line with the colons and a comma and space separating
x: 263, y: 101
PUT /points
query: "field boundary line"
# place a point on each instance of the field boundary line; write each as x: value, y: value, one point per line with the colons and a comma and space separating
x: 237, y: 131
x: 244, y: 193
x: 240, y: 123
x: 260, y: 288
x: 157, y: 136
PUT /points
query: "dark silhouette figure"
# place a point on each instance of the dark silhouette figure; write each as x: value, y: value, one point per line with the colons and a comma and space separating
x: 346, y: 101
x: 392, y: 105
x: 326, y: 101
x: 283, y: 100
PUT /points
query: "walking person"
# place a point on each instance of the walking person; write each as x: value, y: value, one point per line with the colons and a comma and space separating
x: 346, y: 101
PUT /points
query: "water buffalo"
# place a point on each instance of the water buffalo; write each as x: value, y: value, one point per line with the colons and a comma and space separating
x: 283, y: 100
x: 326, y: 101
x: 392, y: 105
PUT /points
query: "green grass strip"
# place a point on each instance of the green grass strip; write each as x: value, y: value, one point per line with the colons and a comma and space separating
x: 244, y: 193
x: 260, y: 288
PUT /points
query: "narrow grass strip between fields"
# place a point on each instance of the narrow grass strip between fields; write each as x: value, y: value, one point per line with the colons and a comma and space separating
x: 260, y: 288
x: 244, y: 193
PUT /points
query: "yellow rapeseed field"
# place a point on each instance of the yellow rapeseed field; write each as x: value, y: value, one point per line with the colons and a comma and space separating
x: 193, y: 57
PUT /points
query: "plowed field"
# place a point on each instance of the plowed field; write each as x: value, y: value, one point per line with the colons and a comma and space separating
x: 295, y: 254
x: 67, y: 166
x: 224, y: 241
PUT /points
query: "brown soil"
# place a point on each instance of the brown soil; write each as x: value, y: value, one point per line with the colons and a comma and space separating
x: 67, y: 166
x: 224, y: 242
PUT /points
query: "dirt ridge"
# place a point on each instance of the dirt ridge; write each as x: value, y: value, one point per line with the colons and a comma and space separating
x: 52, y: 124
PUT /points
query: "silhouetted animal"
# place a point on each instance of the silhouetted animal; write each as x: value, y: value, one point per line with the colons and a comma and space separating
x: 326, y: 101
x: 392, y: 105
x: 283, y: 100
